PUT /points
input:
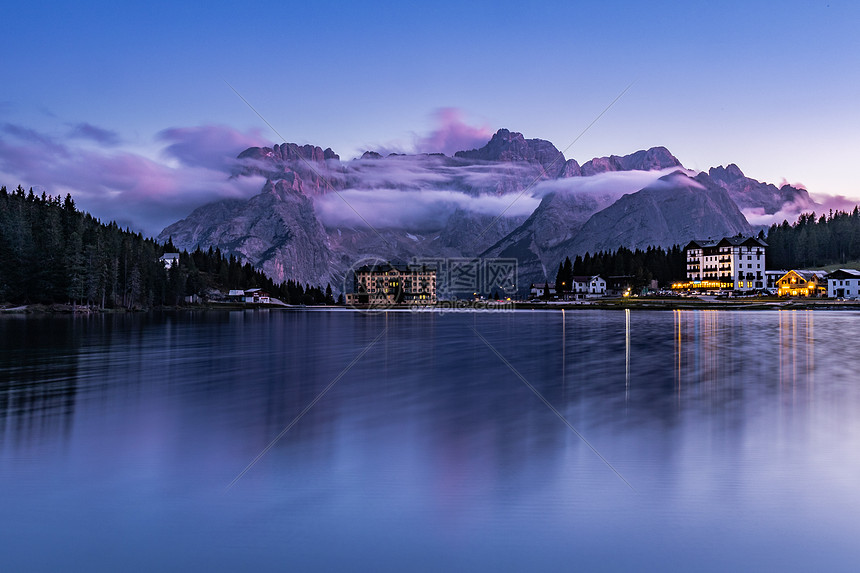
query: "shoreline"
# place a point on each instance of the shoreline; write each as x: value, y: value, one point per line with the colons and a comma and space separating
x: 484, y: 306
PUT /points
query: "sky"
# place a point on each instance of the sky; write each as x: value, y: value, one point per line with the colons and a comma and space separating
x: 131, y: 109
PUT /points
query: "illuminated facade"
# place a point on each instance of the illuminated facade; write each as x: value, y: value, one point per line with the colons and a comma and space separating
x: 389, y: 284
x: 802, y: 283
x: 730, y: 263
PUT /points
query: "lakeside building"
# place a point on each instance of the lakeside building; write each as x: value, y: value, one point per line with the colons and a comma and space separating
x: 731, y: 263
x: 771, y: 277
x: 580, y: 287
x: 802, y: 283
x: 393, y: 284
x: 843, y: 283
x: 589, y: 285
x: 620, y: 285
x: 252, y: 295
x: 542, y: 290
x: 257, y: 295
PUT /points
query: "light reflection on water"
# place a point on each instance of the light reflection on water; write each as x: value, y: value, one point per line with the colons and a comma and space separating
x: 739, y: 431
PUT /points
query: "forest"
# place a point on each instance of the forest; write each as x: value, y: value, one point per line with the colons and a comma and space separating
x: 815, y: 242
x: 810, y: 242
x: 50, y: 252
x: 654, y: 263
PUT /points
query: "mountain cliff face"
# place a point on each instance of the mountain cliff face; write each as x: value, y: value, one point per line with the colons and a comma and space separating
x: 557, y: 219
x: 515, y: 197
x: 276, y: 231
x: 750, y: 194
x: 306, y: 167
x: 670, y: 211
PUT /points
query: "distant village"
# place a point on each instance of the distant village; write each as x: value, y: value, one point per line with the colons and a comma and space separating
x: 725, y: 267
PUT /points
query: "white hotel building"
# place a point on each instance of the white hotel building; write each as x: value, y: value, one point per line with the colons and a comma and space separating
x: 730, y: 263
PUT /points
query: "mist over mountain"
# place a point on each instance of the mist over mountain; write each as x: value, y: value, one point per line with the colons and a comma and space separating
x: 317, y: 215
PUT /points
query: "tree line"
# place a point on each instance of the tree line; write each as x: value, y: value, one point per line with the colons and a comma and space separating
x: 812, y: 241
x: 50, y: 252
x: 654, y: 263
x: 815, y: 242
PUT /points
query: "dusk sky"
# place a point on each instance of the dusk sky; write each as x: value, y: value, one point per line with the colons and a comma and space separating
x: 128, y: 107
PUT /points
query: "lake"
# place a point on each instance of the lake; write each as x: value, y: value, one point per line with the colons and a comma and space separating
x: 332, y: 440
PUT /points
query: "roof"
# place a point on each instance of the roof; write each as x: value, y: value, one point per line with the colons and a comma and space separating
x: 736, y: 241
x: 806, y: 275
x: 740, y: 240
x: 170, y: 256
x: 844, y: 274
x: 700, y: 244
x: 401, y: 268
x: 585, y: 279
x: 236, y: 293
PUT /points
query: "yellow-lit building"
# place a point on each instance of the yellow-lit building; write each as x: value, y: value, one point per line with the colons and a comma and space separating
x: 389, y: 284
x: 802, y: 283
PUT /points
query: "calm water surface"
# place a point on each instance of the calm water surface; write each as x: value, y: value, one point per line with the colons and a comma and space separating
x: 737, y: 432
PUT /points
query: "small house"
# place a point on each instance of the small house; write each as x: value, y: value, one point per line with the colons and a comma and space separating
x: 589, y: 285
x: 256, y: 295
x: 843, y: 283
x: 542, y: 290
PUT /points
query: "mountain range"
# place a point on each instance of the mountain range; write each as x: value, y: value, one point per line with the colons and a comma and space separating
x: 317, y: 216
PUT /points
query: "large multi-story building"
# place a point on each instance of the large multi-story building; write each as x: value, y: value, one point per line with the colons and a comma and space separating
x: 730, y: 263
x: 388, y: 284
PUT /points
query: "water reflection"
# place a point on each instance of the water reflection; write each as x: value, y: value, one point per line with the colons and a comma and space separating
x: 38, y: 378
x: 717, y: 352
x: 430, y: 445
x: 796, y: 345
x: 626, y: 355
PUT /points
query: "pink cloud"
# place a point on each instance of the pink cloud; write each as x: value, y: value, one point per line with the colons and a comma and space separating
x: 452, y: 134
x: 834, y: 202
x: 785, y: 182
x: 132, y: 189
x: 212, y: 146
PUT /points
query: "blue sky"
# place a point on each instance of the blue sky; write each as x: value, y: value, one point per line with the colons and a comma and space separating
x: 773, y: 87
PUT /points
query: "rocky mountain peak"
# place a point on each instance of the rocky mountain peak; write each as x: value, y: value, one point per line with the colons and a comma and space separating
x: 727, y: 174
x: 301, y: 166
x: 652, y: 159
x: 511, y: 146
x: 289, y: 152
